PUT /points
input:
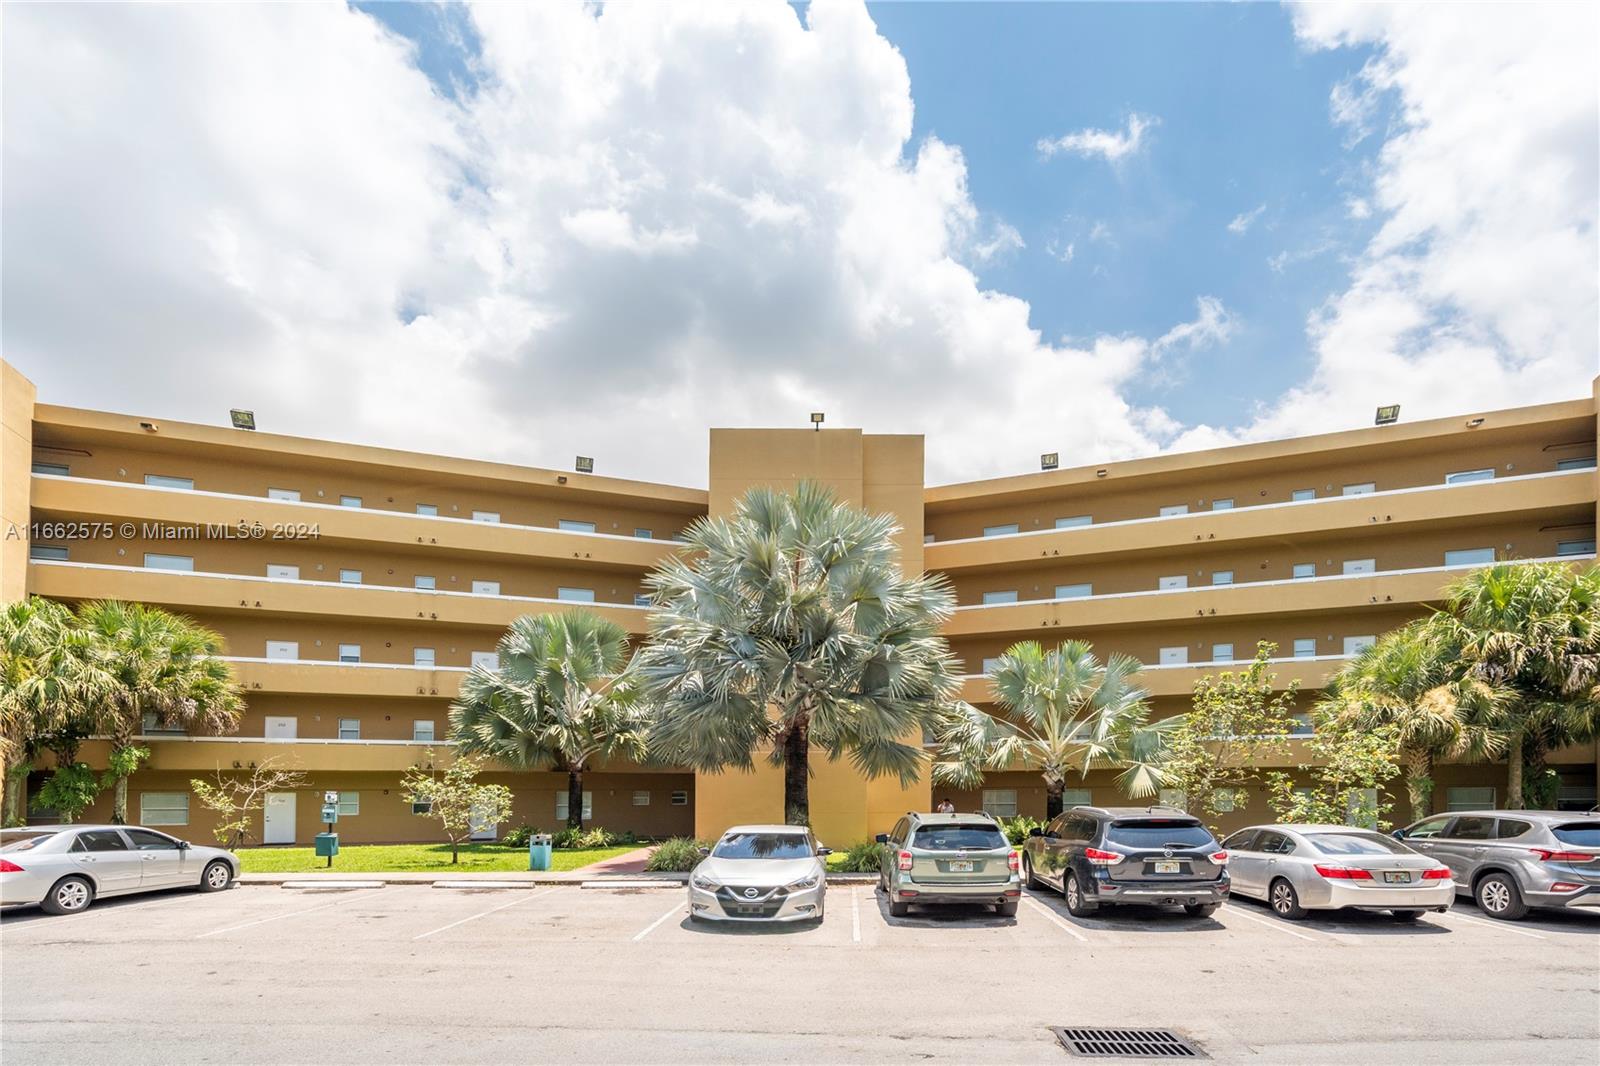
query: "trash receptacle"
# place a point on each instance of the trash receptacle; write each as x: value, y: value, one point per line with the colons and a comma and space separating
x: 327, y: 845
x: 539, y: 851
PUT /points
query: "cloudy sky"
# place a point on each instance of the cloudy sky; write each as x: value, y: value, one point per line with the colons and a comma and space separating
x: 522, y: 232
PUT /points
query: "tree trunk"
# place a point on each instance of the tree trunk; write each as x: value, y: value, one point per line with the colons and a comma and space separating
x: 1514, y: 773
x: 574, y: 799
x: 16, y: 786
x: 455, y: 851
x: 1418, y: 764
x: 119, y: 805
x: 1052, y: 800
x: 797, y: 775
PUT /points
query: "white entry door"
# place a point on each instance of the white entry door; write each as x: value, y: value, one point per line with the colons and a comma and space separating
x: 277, y: 820
x: 283, y: 649
x: 281, y: 727
x: 482, y: 828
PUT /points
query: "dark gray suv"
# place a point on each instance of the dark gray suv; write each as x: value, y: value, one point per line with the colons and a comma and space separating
x: 1513, y: 860
x: 1114, y: 855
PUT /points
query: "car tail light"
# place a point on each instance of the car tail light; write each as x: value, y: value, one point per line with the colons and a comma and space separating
x: 1014, y: 862
x: 1220, y: 858
x: 1564, y: 856
x: 905, y: 860
x: 1102, y: 858
x: 1343, y: 873
x: 1438, y: 873
x: 9, y: 867
x: 1564, y: 886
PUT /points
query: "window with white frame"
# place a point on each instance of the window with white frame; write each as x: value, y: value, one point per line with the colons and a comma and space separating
x: 1174, y: 656
x: 1230, y: 799
x: 1357, y: 645
x: 641, y: 798
x: 1563, y: 547
x: 486, y: 516
x: 1173, y: 797
x: 1173, y: 581
x: 62, y: 470
x: 1305, y: 647
x: 643, y: 533
x: 350, y: 577
x: 1304, y: 570
x: 574, y: 526
x: 349, y: 653
x: 349, y: 729
x: 1222, y: 653
x: 1073, y: 521
x: 1076, y: 797
x: 1002, y: 530
x: 1174, y: 509
x: 151, y: 725
x: 349, y: 501
x: 1583, y: 462
x: 1469, y: 798
x: 1000, y: 802
x: 1363, y: 488
x: 991, y: 664
x: 422, y: 731
x: 292, y: 495
x: 680, y: 797
x: 49, y: 553
x: 642, y: 599
x: 1469, y: 557
x: 349, y: 804
x: 422, y: 806
x: 1359, y: 566
x: 431, y: 510
x: 1000, y: 596
x: 1224, y: 504
x: 1461, y: 477
x: 157, y: 561
x: 1299, y: 495
x: 422, y: 657
x: 489, y: 660
x: 575, y: 595
x: 164, y: 481
x: 163, y: 808
x: 1300, y: 724
x: 1074, y: 592
x: 1222, y: 577
x: 562, y: 808
x: 424, y: 582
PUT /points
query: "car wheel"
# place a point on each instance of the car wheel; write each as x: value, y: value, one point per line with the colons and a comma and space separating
x: 1285, y: 901
x: 69, y: 896
x: 1006, y: 910
x: 899, y: 910
x: 217, y: 876
x: 1200, y: 910
x: 1499, y: 897
x: 1077, y: 905
x: 1405, y: 916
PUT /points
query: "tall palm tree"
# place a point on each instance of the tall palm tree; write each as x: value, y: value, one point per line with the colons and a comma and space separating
x: 158, y: 663
x: 1063, y: 711
x: 1532, y: 629
x: 560, y: 698
x: 47, y: 679
x: 1412, y: 679
x: 789, y: 624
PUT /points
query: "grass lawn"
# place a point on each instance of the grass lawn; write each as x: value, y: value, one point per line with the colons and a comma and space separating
x: 406, y: 858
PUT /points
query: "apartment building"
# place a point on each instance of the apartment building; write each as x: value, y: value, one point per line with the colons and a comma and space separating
x: 355, y: 586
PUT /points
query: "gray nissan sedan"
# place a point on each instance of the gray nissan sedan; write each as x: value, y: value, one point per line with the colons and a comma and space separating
x: 64, y: 868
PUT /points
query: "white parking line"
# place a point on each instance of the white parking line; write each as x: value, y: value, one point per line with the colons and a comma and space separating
x: 483, y: 914
x: 1053, y: 917
x: 647, y: 930
x: 1235, y: 909
x: 1501, y: 926
x: 855, y: 915
x: 288, y: 914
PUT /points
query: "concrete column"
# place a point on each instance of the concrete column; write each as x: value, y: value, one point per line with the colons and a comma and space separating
x: 17, y: 396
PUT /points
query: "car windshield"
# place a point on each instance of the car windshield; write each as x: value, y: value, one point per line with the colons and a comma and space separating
x: 1581, y: 834
x: 951, y: 837
x: 22, y: 840
x: 1357, y: 844
x: 1159, y: 832
x: 763, y: 846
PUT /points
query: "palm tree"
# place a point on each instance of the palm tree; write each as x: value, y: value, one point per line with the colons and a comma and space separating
x: 560, y: 698
x: 1063, y: 711
x: 47, y: 679
x: 1532, y: 629
x: 1412, y: 679
x: 161, y: 664
x: 789, y: 624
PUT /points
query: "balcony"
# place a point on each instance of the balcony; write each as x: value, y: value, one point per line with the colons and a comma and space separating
x: 209, y: 754
x: 1260, y: 599
x: 1392, y: 511
x: 325, y: 677
x: 1311, y: 671
x: 245, y: 594
x: 119, y: 501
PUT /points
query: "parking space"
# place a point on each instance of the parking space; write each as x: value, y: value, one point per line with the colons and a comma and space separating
x: 415, y: 973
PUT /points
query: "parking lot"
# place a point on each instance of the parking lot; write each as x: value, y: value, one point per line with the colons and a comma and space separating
x: 421, y: 974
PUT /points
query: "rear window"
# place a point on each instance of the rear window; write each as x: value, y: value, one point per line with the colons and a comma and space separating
x: 1357, y: 844
x: 1582, y: 834
x: 951, y: 837
x: 1159, y: 832
x: 15, y: 840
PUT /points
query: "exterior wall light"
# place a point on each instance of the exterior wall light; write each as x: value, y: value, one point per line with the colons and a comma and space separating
x: 585, y: 464
x: 242, y: 419
x: 1049, y: 461
x: 1474, y: 423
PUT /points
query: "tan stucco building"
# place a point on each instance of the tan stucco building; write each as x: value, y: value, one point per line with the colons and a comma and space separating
x: 383, y: 575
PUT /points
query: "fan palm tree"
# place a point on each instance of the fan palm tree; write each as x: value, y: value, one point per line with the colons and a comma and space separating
x: 1532, y: 629
x: 1062, y: 711
x: 789, y: 624
x: 158, y: 663
x: 1412, y: 679
x: 560, y: 698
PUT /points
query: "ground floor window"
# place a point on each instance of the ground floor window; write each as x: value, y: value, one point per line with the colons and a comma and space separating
x: 421, y: 806
x: 349, y: 804
x: 164, y: 808
x: 1469, y: 798
x: 680, y: 797
x: 1000, y: 802
x: 1230, y: 799
x: 1173, y: 797
x: 641, y: 799
x: 1362, y: 808
x: 562, y: 808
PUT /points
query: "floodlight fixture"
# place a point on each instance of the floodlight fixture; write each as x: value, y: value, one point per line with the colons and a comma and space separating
x: 585, y: 464
x: 242, y: 419
x: 1388, y: 415
x: 1050, y: 461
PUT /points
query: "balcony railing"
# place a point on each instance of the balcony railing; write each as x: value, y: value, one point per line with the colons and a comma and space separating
x: 1212, y: 663
x: 336, y: 662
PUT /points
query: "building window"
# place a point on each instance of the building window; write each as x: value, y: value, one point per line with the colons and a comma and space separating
x: 1224, y: 504
x: 349, y: 729
x: 429, y: 509
x: 153, y: 561
x: 642, y: 599
x: 1230, y: 799
x: 680, y: 797
x: 643, y: 533
x: 1469, y: 557
x: 1222, y: 653
x: 349, y: 653
x: 1361, y: 808
x: 1300, y: 724
x: 163, y: 481
x: 1305, y: 647
x: 1581, y: 463
x: 575, y: 595
x: 150, y: 725
x: 1002, y: 530
x: 349, y: 501
x: 1001, y: 596
x: 283, y: 649
x: 1360, y: 566
x: 349, y: 804
x: 486, y: 516
x: 1222, y: 577
x: 1305, y: 570
x: 1469, y: 798
x: 1074, y: 592
x: 1076, y: 797
x: 1174, y: 509
x: 1000, y: 802
x: 561, y: 806
x: 1563, y: 547
x: 1174, y: 581
x: 292, y: 495
x: 422, y: 731
x: 1175, y: 656
x: 52, y: 553
x: 1074, y: 521
x: 991, y: 664
x: 350, y: 577
x: 1299, y: 495
x: 422, y: 806
x: 1461, y: 477
x: 489, y: 660
x: 1357, y: 645
x: 572, y: 526
x: 1173, y: 797
x: 164, y: 808
x: 422, y: 657
x: 62, y: 470
x: 1362, y: 489
x: 424, y: 582
x: 641, y: 798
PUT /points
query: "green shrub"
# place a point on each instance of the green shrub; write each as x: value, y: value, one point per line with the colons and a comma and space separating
x: 592, y: 837
x: 518, y: 837
x: 862, y: 857
x: 1016, y: 829
x: 678, y: 855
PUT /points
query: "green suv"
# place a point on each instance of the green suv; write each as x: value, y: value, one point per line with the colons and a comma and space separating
x: 948, y: 858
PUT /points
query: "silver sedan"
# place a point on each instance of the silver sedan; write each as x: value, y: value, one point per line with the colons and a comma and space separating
x: 1300, y: 868
x: 760, y: 873
x: 64, y: 868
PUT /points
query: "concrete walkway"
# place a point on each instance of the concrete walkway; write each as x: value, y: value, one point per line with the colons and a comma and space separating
x: 631, y: 863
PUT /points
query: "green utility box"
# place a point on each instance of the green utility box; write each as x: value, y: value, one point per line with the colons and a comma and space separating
x: 539, y: 851
x: 327, y: 845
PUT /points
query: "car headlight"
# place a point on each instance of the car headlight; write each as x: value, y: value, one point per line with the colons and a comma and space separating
x: 704, y: 883
x: 805, y: 883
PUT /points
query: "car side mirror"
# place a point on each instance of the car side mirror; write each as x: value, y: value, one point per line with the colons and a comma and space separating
x: 1036, y: 832
x: 1399, y: 834
x: 703, y: 851
x: 882, y: 838
x: 824, y: 851
x: 183, y: 845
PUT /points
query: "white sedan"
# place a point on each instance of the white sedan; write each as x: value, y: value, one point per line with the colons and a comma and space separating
x: 1300, y: 868
x: 64, y: 868
x: 760, y: 873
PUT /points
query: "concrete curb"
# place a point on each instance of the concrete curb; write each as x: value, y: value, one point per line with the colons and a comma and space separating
x: 331, y: 883
x: 500, y: 879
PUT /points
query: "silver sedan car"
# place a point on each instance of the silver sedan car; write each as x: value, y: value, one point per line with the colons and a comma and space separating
x: 64, y: 868
x: 1300, y: 868
x: 760, y: 873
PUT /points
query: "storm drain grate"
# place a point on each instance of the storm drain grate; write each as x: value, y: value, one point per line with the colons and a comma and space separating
x: 1126, y: 1043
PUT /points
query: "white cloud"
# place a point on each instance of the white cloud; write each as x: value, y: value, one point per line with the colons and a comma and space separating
x: 1003, y: 239
x: 1111, y: 145
x: 1061, y: 251
x: 1243, y: 221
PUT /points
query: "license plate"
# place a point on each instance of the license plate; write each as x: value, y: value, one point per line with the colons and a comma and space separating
x: 1167, y: 867
x: 961, y: 866
x: 1397, y: 877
